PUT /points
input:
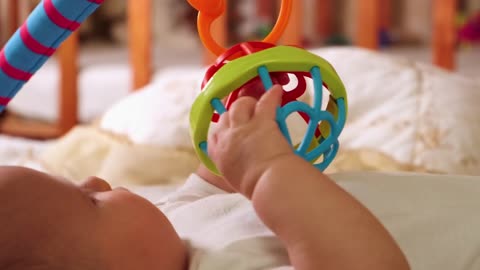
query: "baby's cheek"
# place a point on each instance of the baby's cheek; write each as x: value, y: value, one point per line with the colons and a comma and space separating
x: 126, y: 207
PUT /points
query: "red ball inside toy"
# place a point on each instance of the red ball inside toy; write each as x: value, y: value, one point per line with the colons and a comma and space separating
x: 255, y: 87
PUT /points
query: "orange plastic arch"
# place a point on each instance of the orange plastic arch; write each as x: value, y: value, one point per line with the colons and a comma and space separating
x: 210, y: 10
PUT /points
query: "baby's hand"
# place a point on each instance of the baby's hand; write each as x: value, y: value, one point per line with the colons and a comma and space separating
x: 248, y: 140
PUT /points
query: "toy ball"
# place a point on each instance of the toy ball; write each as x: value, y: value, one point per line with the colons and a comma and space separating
x: 247, y: 63
x: 324, y: 126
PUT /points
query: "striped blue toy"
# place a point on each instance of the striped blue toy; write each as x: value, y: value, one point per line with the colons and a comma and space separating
x: 51, y: 22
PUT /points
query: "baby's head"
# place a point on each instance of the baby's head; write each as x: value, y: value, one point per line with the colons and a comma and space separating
x: 48, y: 223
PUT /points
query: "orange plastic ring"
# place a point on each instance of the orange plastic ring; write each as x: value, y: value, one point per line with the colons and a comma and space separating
x: 210, y: 10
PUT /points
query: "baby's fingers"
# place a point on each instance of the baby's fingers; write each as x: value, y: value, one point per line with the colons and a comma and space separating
x: 242, y: 111
x: 269, y: 102
x: 222, y: 125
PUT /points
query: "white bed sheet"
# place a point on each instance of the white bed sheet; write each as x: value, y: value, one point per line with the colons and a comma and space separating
x: 21, y: 152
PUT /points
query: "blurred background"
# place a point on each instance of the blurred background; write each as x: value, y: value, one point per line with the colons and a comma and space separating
x: 103, y: 57
x: 174, y: 26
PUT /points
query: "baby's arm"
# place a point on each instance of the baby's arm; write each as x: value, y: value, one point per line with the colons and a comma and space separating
x: 322, y: 226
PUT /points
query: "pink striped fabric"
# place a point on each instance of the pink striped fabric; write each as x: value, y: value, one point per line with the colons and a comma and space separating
x: 4, y: 101
x: 33, y: 44
x: 11, y: 71
x: 58, y: 18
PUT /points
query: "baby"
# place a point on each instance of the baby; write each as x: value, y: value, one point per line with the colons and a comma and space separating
x: 48, y: 223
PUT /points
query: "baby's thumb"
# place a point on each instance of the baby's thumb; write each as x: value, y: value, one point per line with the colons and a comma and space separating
x: 269, y: 102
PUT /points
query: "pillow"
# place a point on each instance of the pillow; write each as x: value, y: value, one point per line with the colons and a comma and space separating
x: 159, y: 114
x: 417, y: 114
x: 391, y: 110
x: 448, y: 134
x: 397, y: 107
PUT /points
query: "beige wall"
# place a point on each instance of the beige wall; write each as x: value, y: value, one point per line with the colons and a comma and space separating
x: 474, y: 5
x: 417, y: 18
